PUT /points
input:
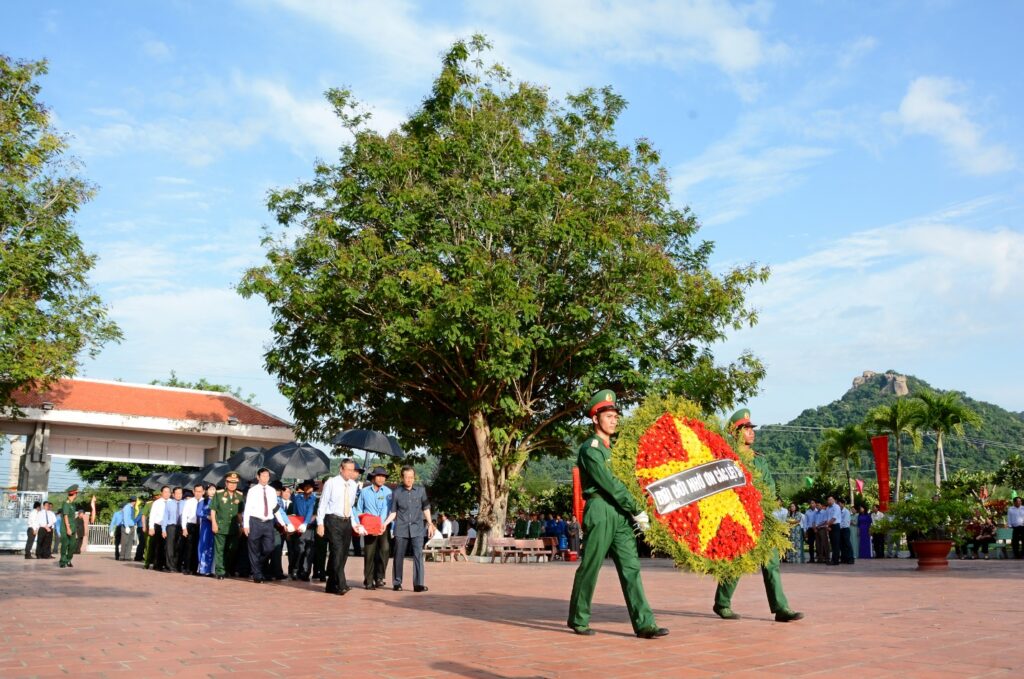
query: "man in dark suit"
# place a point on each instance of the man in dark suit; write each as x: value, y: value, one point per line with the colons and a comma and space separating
x: 411, y: 517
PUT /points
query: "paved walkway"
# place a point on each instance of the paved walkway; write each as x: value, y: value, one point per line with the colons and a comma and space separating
x: 875, y: 619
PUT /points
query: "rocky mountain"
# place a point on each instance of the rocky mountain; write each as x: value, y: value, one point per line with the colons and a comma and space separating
x: 794, y: 445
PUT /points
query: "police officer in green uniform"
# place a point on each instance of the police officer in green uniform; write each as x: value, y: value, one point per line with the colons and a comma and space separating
x: 69, y: 527
x: 741, y: 425
x: 225, y: 509
x: 607, y: 527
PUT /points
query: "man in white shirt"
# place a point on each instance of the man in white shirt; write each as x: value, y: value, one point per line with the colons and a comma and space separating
x: 156, y: 557
x: 446, y: 526
x: 809, y: 524
x: 33, y: 528
x: 1015, y: 520
x: 336, y: 519
x: 190, y: 530
x: 44, y: 538
x: 878, y: 539
x: 258, y: 523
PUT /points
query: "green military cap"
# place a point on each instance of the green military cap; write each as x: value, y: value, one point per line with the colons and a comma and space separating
x: 740, y: 418
x: 73, y: 488
x: 602, y: 401
x: 231, y: 476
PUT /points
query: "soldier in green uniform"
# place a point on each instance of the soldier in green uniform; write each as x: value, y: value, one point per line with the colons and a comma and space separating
x: 607, y: 527
x: 225, y: 512
x: 740, y: 424
x: 69, y: 528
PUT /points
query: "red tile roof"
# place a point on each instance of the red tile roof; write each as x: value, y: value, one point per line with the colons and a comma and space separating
x: 100, y: 396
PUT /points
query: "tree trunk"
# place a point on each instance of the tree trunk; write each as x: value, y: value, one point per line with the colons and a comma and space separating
x: 490, y: 522
x: 849, y: 481
x: 939, y: 461
x: 899, y: 470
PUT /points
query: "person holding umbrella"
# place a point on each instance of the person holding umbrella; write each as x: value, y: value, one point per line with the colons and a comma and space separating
x: 375, y: 500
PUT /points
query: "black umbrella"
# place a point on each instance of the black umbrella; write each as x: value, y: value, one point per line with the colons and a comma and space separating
x: 155, y: 481
x: 369, y: 441
x: 246, y: 462
x: 296, y: 461
x: 177, y: 480
x: 213, y: 473
x: 372, y: 441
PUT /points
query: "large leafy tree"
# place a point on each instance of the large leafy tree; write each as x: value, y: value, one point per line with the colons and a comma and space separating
x: 49, y: 314
x: 946, y: 415
x: 845, y: 444
x: 900, y: 418
x: 130, y: 474
x: 468, y: 280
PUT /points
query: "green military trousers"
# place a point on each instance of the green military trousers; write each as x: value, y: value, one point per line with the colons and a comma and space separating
x: 68, y: 543
x: 607, y: 531
x: 224, y: 547
x: 772, y: 587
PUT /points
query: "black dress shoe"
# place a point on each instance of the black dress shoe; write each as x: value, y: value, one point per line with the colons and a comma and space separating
x: 369, y: 586
x: 304, y: 578
x: 397, y: 588
x: 788, y: 616
x: 583, y: 631
x: 220, y: 577
x: 653, y: 633
x: 419, y: 588
x: 380, y: 583
x: 258, y: 581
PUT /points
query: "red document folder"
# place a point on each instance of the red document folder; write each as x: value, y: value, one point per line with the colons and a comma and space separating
x: 372, y: 523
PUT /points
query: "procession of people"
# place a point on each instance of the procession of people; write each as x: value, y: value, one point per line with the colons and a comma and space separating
x: 275, y: 532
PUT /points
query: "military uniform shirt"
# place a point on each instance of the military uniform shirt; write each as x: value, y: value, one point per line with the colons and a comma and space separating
x: 597, y: 480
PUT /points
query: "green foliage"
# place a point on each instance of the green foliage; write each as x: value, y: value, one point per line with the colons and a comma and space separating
x: 49, y: 314
x: 774, y: 535
x: 203, y: 384
x: 1011, y: 473
x: 946, y: 415
x: 821, y: 490
x: 792, y: 450
x: 845, y: 445
x: 931, y: 519
x: 469, y: 280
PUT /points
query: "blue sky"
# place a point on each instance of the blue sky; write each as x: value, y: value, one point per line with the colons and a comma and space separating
x: 870, y: 153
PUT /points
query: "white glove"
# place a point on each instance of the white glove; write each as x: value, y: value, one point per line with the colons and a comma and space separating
x: 642, y: 521
x: 360, y: 530
x: 302, y: 528
x: 289, y: 527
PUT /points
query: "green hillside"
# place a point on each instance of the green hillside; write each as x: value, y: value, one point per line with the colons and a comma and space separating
x: 794, y: 450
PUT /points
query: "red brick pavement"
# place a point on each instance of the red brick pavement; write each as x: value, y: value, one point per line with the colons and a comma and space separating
x: 875, y: 619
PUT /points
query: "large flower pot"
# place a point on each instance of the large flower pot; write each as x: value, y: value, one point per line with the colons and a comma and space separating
x: 931, y: 554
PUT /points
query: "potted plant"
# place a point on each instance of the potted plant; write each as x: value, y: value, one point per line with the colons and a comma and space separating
x: 931, y: 525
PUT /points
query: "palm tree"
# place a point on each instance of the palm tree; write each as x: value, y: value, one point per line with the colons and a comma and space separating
x: 899, y: 418
x: 946, y: 415
x: 845, y: 444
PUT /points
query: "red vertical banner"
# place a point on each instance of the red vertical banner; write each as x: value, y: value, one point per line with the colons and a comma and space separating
x: 577, y: 496
x: 880, y: 447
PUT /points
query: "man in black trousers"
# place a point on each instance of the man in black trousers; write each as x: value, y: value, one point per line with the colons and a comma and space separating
x: 335, y: 519
x: 258, y: 523
x: 410, y: 514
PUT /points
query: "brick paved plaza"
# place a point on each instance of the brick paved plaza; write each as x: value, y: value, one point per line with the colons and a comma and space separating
x: 874, y: 619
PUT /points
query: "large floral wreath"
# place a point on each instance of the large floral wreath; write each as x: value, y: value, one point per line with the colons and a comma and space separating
x: 727, y: 534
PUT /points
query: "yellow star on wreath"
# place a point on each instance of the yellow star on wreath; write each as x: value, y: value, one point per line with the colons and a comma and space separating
x: 715, y: 508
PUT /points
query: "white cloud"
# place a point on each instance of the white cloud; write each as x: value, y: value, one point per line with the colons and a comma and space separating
x: 198, y: 332
x: 156, y: 50
x: 929, y: 108
x: 855, y: 51
x: 737, y: 176
x: 920, y: 296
